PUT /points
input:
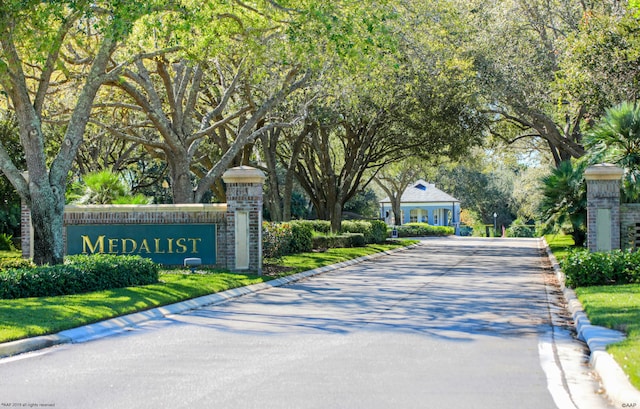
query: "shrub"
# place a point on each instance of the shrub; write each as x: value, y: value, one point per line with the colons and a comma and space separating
x: 338, y: 240
x: 374, y: 231
x: 583, y: 268
x: 15, y: 262
x: 521, y: 230
x: 79, y: 274
x: 276, y: 239
x: 358, y: 226
x: 424, y: 229
x: 301, y: 238
x: 6, y: 242
x: 320, y: 226
x: 378, y: 231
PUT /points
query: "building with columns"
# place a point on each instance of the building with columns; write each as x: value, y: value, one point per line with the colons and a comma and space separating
x: 423, y: 202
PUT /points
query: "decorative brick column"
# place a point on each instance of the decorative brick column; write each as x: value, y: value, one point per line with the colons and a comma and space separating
x: 603, y: 207
x: 244, y: 218
x: 26, y: 231
x: 26, y: 228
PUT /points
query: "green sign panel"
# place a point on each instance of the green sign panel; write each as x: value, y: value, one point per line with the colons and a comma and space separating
x: 163, y: 243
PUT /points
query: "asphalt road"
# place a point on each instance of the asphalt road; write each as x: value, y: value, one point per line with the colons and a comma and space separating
x: 453, y: 323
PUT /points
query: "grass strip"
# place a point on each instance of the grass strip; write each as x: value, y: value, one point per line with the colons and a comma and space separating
x: 613, y: 306
x: 617, y: 307
x: 559, y: 244
x: 29, y: 317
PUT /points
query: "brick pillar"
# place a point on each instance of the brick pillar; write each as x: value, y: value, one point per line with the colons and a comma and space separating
x: 603, y: 207
x: 26, y: 231
x: 26, y: 228
x: 244, y: 218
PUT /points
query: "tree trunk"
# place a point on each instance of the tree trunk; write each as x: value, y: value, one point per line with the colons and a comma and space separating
x: 180, y: 174
x: 47, y: 212
x: 336, y: 217
x: 396, y: 203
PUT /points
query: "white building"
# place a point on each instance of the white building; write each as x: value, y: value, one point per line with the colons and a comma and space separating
x: 423, y: 202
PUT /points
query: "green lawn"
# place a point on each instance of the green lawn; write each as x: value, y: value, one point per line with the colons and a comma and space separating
x: 28, y: 317
x: 559, y: 244
x: 616, y: 307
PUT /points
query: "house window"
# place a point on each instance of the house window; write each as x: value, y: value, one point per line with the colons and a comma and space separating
x: 413, y: 215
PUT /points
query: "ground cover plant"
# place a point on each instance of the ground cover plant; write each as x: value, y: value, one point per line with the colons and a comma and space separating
x: 79, y: 274
x: 611, y: 306
x: 28, y: 317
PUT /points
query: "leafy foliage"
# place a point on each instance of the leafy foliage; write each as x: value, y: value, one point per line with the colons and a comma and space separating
x: 519, y: 229
x: 105, y: 187
x: 616, y: 139
x: 79, y: 274
x: 564, y: 206
x: 338, y: 240
x: 6, y: 242
x: 15, y: 262
x: 423, y: 230
x: 583, y: 268
x: 373, y: 231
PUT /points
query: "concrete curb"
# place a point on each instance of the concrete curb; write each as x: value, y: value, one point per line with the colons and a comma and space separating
x: 614, y: 380
x: 120, y: 324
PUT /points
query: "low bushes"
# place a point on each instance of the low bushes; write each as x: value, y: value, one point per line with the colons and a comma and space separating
x: 423, y: 230
x: 374, y: 231
x: 280, y: 239
x: 299, y: 236
x: 339, y: 240
x: 15, y: 262
x: 79, y: 274
x: 583, y: 268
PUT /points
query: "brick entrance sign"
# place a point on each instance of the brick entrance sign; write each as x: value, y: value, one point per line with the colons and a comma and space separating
x: 227, y: 235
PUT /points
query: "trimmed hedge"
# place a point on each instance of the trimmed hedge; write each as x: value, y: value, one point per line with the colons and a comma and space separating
x: 15, y: 262
x: 583, y: 268
x: 374, y: 231
x: 280, y: 239
x: 301, y: 238
x: 423, y: 229
x: 339, y: 240
x: 79, y: 274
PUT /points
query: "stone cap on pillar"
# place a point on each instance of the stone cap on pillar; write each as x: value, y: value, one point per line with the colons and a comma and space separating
x: 243, y: 174
x: 604, y: 171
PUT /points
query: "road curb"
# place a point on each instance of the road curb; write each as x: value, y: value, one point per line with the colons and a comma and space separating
x: 615, y: 382
x: 122, y: 323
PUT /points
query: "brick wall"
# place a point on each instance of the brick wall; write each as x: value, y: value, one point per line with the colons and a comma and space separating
x: 630, y: 225
x: 244, y: 194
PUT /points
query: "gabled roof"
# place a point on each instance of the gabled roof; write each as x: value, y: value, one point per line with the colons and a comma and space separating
x: 423, y: 192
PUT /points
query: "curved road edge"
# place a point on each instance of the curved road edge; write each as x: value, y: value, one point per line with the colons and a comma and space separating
x: 615, y: 382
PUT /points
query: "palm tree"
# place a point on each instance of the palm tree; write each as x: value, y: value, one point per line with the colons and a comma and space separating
x: 564, y: 203
x: 106, y: 187
x: 616, y: 139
